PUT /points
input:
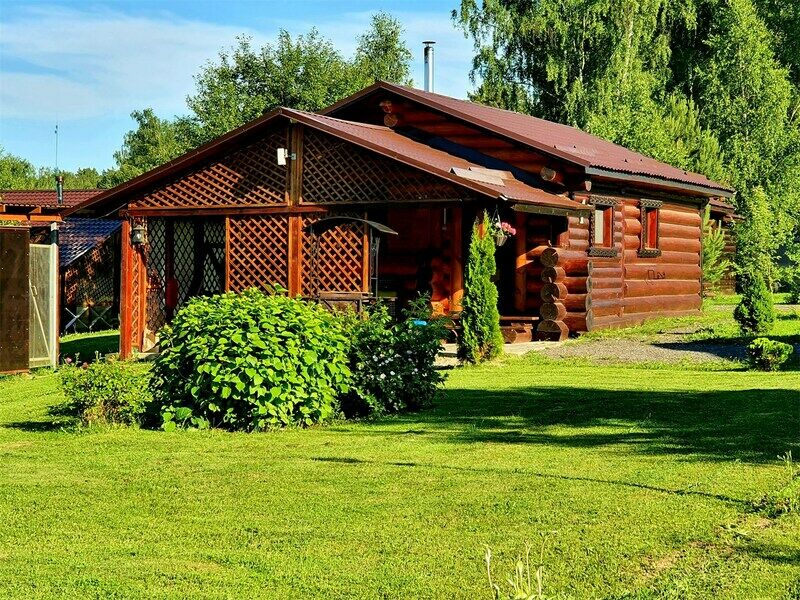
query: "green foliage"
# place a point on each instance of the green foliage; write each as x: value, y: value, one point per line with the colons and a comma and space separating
x: 306, y: 72
x: 522, y: 584
x: 19, y: 174
x: 481, y: 338
x: 392, y: 364
x: 382, y: 54
x: 250, y: 361
x: 765, y: 354
x: 755, y: 242
x: 106, y: 391
x: 709, y: 85
x: 715, y: 265
x: 756, y: 311
x: 153, y: 142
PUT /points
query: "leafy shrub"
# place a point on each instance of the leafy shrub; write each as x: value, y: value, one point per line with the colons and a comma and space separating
x: 250, y: 361
x: 481, y: 338
x: 756, y: 312
x: 768, y: 355
x: 392, y: 365
x: 106, y: 391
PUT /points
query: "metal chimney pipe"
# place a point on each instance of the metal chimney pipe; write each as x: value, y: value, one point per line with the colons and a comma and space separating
x: 429, y: 65
x: 60, y: 189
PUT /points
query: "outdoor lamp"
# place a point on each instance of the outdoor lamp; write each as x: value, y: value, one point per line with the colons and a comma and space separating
x: 137, y: 234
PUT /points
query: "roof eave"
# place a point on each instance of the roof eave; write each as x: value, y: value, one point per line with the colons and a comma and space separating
x: 658, y: 181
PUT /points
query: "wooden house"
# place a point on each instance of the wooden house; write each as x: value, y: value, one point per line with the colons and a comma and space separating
x: 605, y: 236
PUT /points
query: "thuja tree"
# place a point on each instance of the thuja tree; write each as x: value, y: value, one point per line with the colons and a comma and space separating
x: 481, y: 338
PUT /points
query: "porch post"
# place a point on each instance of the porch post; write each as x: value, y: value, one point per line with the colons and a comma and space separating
x: 125, y: 308
x: 457, y: 264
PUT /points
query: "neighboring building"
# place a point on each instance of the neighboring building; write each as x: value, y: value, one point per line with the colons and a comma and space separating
x: 605, y: 236
x: 31, y: 281
x: 89, y: 260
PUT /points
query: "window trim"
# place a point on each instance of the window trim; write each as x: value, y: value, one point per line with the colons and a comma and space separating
x: 646, y: 207
x: 608, y: 205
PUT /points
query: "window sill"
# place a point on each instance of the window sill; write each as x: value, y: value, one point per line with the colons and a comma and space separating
x: 649, y: 253
x: 602, y: 252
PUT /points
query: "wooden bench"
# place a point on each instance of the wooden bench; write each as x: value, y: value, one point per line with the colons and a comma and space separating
x: 518, y: 329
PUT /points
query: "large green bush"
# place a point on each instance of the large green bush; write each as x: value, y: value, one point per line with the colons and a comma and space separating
x: 756, y: 311
x: 106, y: 391
x: 768, y: 355
x: 481, y: 338
x: 392, y: 364
x: 250, y: 361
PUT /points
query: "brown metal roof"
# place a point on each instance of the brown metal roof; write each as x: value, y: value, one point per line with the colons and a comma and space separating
x: 45, y: 198
x: 387, y: 142
x: 596, y: 155
x: 381, y: 140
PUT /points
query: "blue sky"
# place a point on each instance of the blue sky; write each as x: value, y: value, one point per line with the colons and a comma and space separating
x: 88, y: 64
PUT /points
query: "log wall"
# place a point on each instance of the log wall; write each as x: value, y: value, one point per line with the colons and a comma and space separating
x: 630, y: 288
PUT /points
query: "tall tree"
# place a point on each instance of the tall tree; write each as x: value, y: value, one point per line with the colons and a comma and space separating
x: 306, y: 72
x: 153, y: 142
x: 382, y: 54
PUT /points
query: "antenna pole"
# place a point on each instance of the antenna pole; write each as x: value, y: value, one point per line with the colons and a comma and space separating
x: 56, y: 147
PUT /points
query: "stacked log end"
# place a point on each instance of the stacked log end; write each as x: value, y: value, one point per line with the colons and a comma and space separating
x: 563, y: 293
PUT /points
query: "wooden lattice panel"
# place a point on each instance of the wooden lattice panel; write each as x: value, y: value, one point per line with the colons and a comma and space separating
x: 246, y: 177
x: 335, y: 171
x: 137, y: 299
x: 258, y: 251
x: 340, y: 259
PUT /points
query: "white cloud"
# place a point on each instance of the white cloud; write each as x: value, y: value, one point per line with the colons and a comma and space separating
x: 74, y: 64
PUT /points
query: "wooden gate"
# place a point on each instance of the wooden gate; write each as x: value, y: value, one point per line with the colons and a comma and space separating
x: 14, y: 308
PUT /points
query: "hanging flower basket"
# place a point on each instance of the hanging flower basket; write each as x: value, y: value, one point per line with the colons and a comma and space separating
x: 502, y: 231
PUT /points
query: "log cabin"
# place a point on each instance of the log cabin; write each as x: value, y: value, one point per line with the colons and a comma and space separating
x: 605, y: 236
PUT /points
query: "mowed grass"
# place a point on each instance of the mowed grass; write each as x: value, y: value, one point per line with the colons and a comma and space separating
x: 644, y: 477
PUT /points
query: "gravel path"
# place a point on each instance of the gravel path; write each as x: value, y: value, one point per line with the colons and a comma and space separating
x: 661, y: 350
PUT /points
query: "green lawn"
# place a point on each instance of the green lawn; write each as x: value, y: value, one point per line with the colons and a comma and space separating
x: 646, y: 478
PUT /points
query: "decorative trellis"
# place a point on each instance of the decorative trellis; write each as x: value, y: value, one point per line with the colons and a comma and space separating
x: 90, y: 279
x: 258, y: 251
x: 335, y: 171
x: 339, y: 265
x: 247, y: 177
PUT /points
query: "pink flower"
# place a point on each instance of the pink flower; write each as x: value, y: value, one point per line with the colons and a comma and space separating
x: 507, y: 228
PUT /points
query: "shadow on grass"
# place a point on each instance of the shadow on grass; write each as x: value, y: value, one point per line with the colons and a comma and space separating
x: 61, y: 417
x: 536, y: 474
x: 747, y: 425
x: 86, y: 347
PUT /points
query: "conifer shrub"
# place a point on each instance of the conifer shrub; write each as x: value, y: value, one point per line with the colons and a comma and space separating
x: 714, y: 263
x: 756, y: 311
x: 250, y: 361
x: 765, y: 354
x: 481, y: 338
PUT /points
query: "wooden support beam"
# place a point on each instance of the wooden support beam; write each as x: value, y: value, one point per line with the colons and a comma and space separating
x: 126, y: 285
x: 295, y: 241
x: 456, y: 252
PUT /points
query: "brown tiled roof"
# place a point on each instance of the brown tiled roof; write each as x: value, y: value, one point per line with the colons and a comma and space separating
x: 555, y: 139
x: 379, y: 139
x: 45, y: 198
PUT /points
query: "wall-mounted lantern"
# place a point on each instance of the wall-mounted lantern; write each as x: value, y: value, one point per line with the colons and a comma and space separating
x: 138, y: 234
